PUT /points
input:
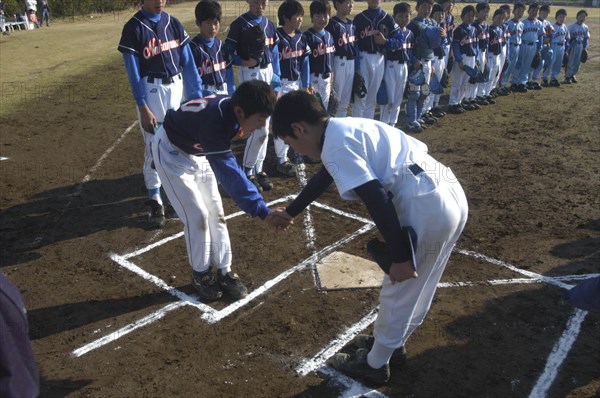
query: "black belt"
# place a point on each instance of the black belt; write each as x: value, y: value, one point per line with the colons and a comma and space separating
x: 346, y: 57
x: 415, y: 169
x: 514, y: 44
x: 323, y: 75
x: 163, y: 80
x: 530, y: 43
x: 371, y: 52
x: 560, y: 44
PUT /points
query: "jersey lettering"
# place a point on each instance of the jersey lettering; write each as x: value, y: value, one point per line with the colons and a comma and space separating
x: 152, y: 49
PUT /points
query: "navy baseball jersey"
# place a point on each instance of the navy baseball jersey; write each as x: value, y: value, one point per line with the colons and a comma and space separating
x: 370, y: 22
x: 153, y: 44
x: 292, y: 51
x: 496, y: 39
x: 402, y: 54
x: 464, y: 42
x: 247, y: 20
x: 481, y: 30
x: 211, y: 61
x: 344, y: 37
x: 449, y: 24
x: 321, y: 51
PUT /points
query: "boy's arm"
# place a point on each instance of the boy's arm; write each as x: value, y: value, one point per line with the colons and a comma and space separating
x: 381, y: 208
x: 242, y: 191
x: 305, y: 72
x: 230, y: 80
x: 313, y: 189
x: 191, y: 78
x: 132, y: 66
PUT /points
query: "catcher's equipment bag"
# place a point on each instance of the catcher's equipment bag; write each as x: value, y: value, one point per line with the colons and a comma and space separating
x: 584, y: 55
x: 380, y: 253
x: 537, y: 59
x: 252, y: 44
x: 359, y: 88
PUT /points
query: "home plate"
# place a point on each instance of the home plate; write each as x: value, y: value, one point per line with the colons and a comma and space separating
x: 341, y: 270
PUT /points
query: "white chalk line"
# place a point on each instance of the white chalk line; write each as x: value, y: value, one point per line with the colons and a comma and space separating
x: 3, y: 158
x: 514, y: 281
x: 117, y: 334
x: 559, y: 354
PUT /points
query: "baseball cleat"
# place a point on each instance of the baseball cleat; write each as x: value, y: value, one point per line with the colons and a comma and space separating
x: 264, y: 181
x: 254, y: 182
x: 573, y: 80
x: 206, y: 285
x: 456, y: 109
x: 287, y: 169
x: 231, y: 284
x: 156, y: 214
x: 567, y: 80
x: 554, y: 83
x: 366, y: 341
x: 437, y: 112
x: 414, y: 127
x: 356, y: 366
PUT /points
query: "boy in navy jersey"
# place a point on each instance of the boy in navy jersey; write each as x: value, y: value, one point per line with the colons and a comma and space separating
x: 294, y: 66
x: 320, y: 43
x: 156, y: 54
x: 192, y: 151
x: 344, y: 36
x: 214, y: 64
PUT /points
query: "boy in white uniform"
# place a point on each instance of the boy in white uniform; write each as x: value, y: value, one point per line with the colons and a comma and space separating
x: 404, y: 190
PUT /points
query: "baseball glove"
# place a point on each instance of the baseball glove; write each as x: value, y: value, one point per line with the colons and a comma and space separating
x: 334, y: 104
x: 584, y: 55
x: 537, y: 60
x: 450, y: 63
x: 252, y: 44
x: 444, y: 80
x: 359, y: 88
x: 565, y: 60
x: 506, y: 65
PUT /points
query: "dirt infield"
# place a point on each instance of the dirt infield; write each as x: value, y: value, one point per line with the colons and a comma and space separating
x: 112, y: 312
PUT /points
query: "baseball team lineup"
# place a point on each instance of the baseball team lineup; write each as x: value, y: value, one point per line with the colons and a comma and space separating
x: 299, y: 87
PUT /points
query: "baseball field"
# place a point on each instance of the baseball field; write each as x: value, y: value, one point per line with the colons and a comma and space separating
x: 111, y: 309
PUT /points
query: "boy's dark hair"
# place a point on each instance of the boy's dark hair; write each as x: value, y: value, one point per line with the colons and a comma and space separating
x: 545, y: 7
x: 467, y: 10
x: 581, y: 12
x: 401, y: 8
x: 505, y: 7
x: 288, y: 9
x: 336, y: 2
x: 294, y: 107
x: 561, y: 11
x: 320, y: 7
x: 499, y: 11
x: 207, y: 10
x: 518, y: 5
x: 441, y: 2
x: 254, y: 96
x: 437, y: 7
x: 419, y: 2
x: 482, y: 6
x: 533, y: 6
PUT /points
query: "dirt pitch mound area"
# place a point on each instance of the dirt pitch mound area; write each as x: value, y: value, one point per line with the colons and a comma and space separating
x: 112, y: 312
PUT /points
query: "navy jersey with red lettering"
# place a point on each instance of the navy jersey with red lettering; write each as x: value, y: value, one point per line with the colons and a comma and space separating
x: 153, y: 42
x: 211, y: 61
x: 206, y: 127
x: 344, y: 37
x: 449, y: 24
x: 496, y: 39
x: 321, y: 51
x: 368, y: 23
x: 247, y: 20
x: 464, y: 42
x: 403, y: 53
x: 481, y: 30
x: 292, y: 51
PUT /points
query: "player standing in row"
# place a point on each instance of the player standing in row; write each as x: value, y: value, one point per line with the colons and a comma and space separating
x: 546, y: 52
x: 494, y: 56
x: 447, y: 8
x: 514, y: 28
x: 344, y: 36
x: 265, y: 69
x: 579, y: 34
x: 156, y: 55
x: 400, y: 185
x: 506, y: 48
x: 398, y: 60
x: 481, y: 29
x: 321, y: 46
x: 192, y: 151
x: 438, y: 63
x: 558, y: 41
x: 213, y: 62
x: 464, y: 48
x: 428, y: 36
x: 294, y: 65
x: 373, y: 27
x: 531, y: 46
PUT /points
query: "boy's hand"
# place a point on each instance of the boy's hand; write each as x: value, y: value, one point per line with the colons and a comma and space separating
x: 148, y: 120
x: 443, y: 32
x: 279, y: 219
x: 379, y: 39
x: 417, y: 65
x: 400, y: 272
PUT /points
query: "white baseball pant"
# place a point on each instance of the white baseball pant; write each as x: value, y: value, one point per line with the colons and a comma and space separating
x: 372, y: 68
x: 342, y: 83
x: 281, y: 148
x: 396, y: 75
x: 427, y: 68
x: 256, y: 143
x: 460, y: 81
x: 191, y: 187
x: 493, y: 63
x: 321, y: 87
x: 159, y: 98
x: 480, y: 87
x: 437, y: 66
